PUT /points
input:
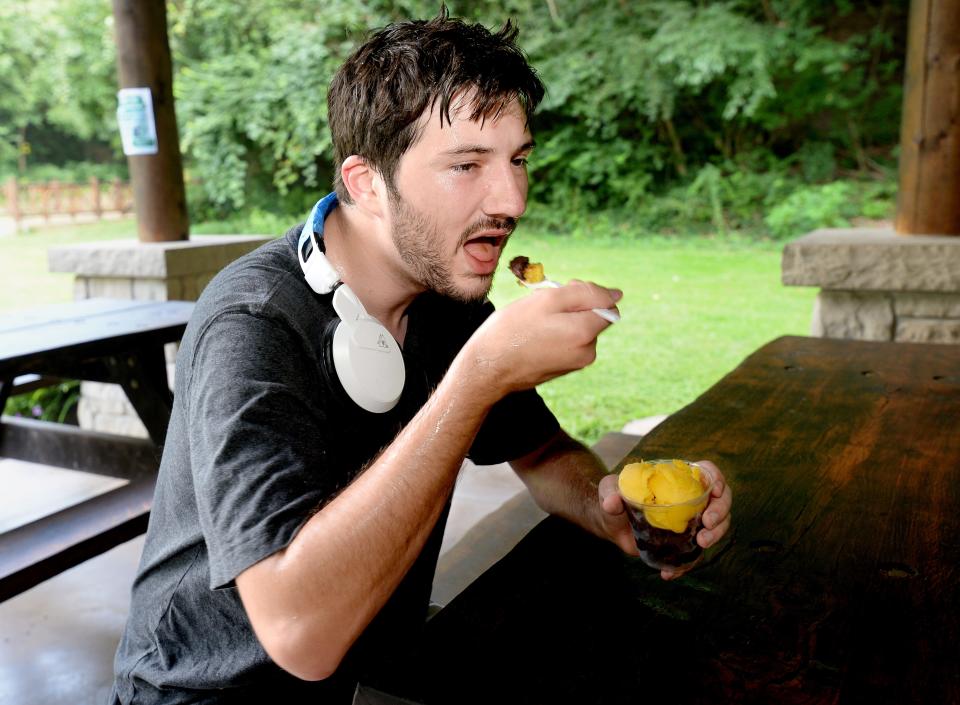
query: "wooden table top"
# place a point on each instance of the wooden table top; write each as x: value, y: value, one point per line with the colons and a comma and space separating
x: 838, y: 584
x: 81, y: 327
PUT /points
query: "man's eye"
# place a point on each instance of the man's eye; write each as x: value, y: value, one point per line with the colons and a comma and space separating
x: 463, y: 167
x: 520, y: 161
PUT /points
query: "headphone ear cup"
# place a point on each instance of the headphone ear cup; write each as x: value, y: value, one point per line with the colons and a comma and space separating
x: 328, y: 368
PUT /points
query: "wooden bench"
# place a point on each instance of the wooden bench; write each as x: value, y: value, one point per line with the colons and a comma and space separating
x: 101, y: 340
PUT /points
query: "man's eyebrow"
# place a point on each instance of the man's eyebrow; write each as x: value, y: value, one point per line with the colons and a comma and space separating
x: 481, y: 149
x: 469, y: 149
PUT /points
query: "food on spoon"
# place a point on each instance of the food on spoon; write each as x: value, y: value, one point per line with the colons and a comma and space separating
x: 526, y: 271
x: 670, y: 492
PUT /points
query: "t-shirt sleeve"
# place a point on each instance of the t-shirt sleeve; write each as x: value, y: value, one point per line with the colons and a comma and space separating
x: 257, y: 464
x: 518, y: 424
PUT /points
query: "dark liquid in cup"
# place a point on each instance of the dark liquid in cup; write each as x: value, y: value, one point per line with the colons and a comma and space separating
x: 663, y: 547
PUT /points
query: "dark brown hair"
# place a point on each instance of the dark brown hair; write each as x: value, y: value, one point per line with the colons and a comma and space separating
x: 380, y: 92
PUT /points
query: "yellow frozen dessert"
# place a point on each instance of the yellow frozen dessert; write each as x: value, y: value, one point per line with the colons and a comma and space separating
x: 670, y: 492
x: 527, y: 271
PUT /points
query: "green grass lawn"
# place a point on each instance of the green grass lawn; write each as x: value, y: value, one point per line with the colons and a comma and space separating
x: 693, y: 308
x: 24, y: 278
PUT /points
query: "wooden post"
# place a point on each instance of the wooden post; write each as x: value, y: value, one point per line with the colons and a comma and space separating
x: 116, y: 194
x: 56, y: 199
x: 13, y: 202
x: 46, y: 193
x: 95, y: 197
x: 929, y: 195
x: 143, y: 60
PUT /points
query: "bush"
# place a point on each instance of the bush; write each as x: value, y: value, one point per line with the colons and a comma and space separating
x: 71, y: 172
x: 57, y: 403
x: 826, y: 206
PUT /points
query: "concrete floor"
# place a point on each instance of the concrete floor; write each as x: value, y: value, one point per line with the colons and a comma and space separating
x: 58, y: 639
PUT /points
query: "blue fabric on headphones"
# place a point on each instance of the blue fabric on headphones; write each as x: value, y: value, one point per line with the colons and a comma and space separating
x: 323, y: 208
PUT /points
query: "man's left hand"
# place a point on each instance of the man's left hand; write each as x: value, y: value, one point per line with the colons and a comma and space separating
x: 716, y: 515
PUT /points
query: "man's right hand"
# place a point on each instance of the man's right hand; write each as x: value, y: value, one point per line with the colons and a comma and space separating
x: 541, y: 336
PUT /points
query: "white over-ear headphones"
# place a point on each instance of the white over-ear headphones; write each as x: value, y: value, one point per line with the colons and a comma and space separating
x: 359, y: 353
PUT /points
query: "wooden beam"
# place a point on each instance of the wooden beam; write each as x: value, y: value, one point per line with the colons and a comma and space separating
x: 143, y: 61
x: 65, y: 446
x: 929, y: 195
x: 46, y: 547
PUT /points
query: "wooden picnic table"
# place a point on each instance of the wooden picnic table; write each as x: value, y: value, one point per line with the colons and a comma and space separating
x: 103, y: 340
x: 838, y: 583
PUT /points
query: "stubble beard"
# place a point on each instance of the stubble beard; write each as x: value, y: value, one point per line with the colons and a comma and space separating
x: 421, y: 244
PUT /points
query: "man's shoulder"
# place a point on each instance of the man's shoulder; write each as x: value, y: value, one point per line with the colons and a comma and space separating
x: 266, y: 284
x: 256, y: 276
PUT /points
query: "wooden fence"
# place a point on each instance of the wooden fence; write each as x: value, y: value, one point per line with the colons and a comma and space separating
x: 42, y: 202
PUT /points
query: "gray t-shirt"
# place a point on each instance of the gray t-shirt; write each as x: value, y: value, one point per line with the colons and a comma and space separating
x: 256, y: 443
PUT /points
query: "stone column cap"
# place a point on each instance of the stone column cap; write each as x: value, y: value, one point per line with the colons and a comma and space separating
x: 132, y: 258
x: 872, y: 259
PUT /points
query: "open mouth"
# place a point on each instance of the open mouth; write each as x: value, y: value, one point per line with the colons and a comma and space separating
x: 483, y: 251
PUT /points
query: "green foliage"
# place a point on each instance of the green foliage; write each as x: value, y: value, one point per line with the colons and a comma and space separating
x: 832, y: 205
x: 641, y: 95
x: 70, y: 172
x: 57, y: 403
x: 57, y: 73
x: 252, y: 89
x: 683, y: 113
x: 252, y: 221
x: 806, y: 208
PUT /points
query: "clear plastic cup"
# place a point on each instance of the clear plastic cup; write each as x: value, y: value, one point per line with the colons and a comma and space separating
x: 666, y: 534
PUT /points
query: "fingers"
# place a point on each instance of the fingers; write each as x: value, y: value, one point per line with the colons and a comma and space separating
x: 609, y: 493
x: 614, y: 519
x: 716, y: 477
x: 718, y: 509
x: 708, y: 537
x: 674, y: 573
x: 716, y: 517
x: 582, y: 296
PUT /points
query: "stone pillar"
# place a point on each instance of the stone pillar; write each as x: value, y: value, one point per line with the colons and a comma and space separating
x: 156, y: 271
x: 876, y: 285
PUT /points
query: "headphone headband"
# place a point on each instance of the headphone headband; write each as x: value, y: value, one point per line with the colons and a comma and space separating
x: 320, y: 274
x: 365, y: 359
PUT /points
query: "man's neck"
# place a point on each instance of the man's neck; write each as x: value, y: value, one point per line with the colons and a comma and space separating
x: 360, y: 249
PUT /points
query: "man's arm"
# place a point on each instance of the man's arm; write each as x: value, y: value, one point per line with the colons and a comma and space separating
x: 564, y: 478
x: 568, y: 479
x: 310, y: 601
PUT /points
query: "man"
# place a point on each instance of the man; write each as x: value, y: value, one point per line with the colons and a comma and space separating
x: 294, y: 535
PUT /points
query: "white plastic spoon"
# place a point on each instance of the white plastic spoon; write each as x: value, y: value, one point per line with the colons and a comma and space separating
x: 607, y: 314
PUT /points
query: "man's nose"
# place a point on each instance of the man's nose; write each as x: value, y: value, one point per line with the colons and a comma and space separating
x: 506, y: 193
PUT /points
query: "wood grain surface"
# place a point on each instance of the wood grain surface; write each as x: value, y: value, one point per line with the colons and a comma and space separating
x: 838, y: 584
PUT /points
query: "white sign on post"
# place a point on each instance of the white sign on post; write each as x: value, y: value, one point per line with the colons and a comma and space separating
x: 135, y: 116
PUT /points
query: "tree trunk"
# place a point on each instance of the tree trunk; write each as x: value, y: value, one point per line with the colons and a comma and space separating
x: 143, y: 61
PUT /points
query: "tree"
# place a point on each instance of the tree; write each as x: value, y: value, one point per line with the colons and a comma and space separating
x: 56, y: 72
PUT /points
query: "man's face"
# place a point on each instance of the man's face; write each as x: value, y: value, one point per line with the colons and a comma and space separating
x: 458, y: 192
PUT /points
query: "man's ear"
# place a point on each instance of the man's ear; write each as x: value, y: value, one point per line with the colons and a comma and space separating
x: 364, y: 184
